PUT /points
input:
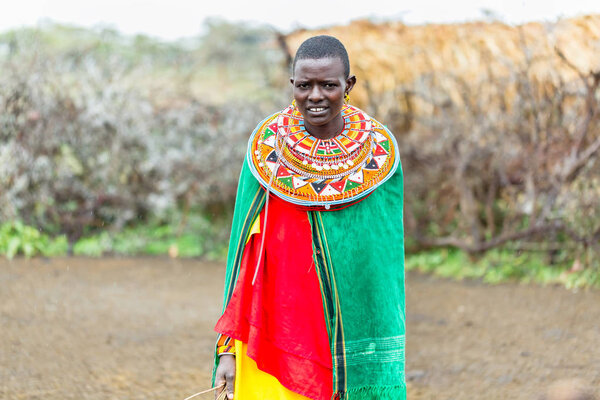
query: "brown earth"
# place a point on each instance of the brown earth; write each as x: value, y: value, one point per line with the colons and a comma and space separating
x: 141, y: 328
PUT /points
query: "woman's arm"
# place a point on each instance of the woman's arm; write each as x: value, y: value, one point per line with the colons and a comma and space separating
x: 225, y: 374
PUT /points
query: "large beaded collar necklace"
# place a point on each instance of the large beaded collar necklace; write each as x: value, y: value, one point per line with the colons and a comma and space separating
x: 308, y: 171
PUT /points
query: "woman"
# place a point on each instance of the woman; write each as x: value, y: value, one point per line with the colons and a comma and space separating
x: 314, y: 294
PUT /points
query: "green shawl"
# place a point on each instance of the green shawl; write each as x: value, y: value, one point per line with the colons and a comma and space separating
x: 359, y: 257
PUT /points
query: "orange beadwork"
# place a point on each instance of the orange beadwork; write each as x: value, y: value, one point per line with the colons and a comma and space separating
x: 309, y: 171
x: 225, y: 345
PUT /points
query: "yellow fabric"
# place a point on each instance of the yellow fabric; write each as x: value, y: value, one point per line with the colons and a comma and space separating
x: 255, y: 229
x: 254, y: 384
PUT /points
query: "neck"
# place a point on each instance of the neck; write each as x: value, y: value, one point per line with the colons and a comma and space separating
x: 327, y: 131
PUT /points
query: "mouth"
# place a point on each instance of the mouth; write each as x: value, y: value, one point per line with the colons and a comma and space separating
x: 316, y: 110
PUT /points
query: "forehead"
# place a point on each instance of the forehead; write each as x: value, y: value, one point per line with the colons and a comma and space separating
x: 319, y: 68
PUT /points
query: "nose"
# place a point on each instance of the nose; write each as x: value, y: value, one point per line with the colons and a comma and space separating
x: 315, y: 94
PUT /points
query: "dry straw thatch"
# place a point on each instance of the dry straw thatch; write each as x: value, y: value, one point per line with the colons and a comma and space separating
x: 391, y: 55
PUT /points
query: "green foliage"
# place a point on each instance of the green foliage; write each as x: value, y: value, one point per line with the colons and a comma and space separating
x: 18, y: 238
x: 498, y: 266
x: 93, y: 246
x: 195, y: 236
x: 75, y: 44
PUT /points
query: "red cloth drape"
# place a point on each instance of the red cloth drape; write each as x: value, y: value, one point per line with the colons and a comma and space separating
x: 281, y: 316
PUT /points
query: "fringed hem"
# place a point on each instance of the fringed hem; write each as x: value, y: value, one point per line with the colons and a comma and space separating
x: 373, y: 393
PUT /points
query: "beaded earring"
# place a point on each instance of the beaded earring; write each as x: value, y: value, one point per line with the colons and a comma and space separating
x: 294, y: 103
x: 346, y: 98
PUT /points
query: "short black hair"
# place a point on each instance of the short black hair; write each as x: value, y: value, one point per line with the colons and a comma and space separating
x: 323, y: 46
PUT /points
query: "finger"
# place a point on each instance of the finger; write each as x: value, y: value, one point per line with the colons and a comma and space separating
x: 230, y: 385
x: 220, y: 384
x: 223, y: 395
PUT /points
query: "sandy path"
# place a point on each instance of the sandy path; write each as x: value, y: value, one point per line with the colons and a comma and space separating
x: 141, y: 328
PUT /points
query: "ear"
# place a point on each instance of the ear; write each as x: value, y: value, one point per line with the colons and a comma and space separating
x: 350, y: 82
x: 292, y: 80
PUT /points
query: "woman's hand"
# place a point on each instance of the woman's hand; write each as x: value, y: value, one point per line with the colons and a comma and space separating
x: 225, y: 375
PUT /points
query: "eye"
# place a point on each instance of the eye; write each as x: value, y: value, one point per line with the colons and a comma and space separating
x: 330, y: 85
x: 302, y: 85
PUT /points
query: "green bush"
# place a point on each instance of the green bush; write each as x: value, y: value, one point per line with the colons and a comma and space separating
x: 195, y: 235
x: 17, y: 238
x: 501, y: 266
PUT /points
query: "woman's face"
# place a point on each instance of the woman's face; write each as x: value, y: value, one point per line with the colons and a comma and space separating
x: 319, y: 88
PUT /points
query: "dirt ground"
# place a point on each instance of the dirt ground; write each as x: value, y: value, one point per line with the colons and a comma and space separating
x: 141, y: 328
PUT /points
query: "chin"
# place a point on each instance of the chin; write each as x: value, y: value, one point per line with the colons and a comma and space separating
x: 317, y: 122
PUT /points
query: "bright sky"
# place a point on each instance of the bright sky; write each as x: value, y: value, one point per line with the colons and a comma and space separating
x: 171, y: 19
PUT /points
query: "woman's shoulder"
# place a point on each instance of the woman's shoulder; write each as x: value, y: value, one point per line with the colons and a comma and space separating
x: 266, y: 122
